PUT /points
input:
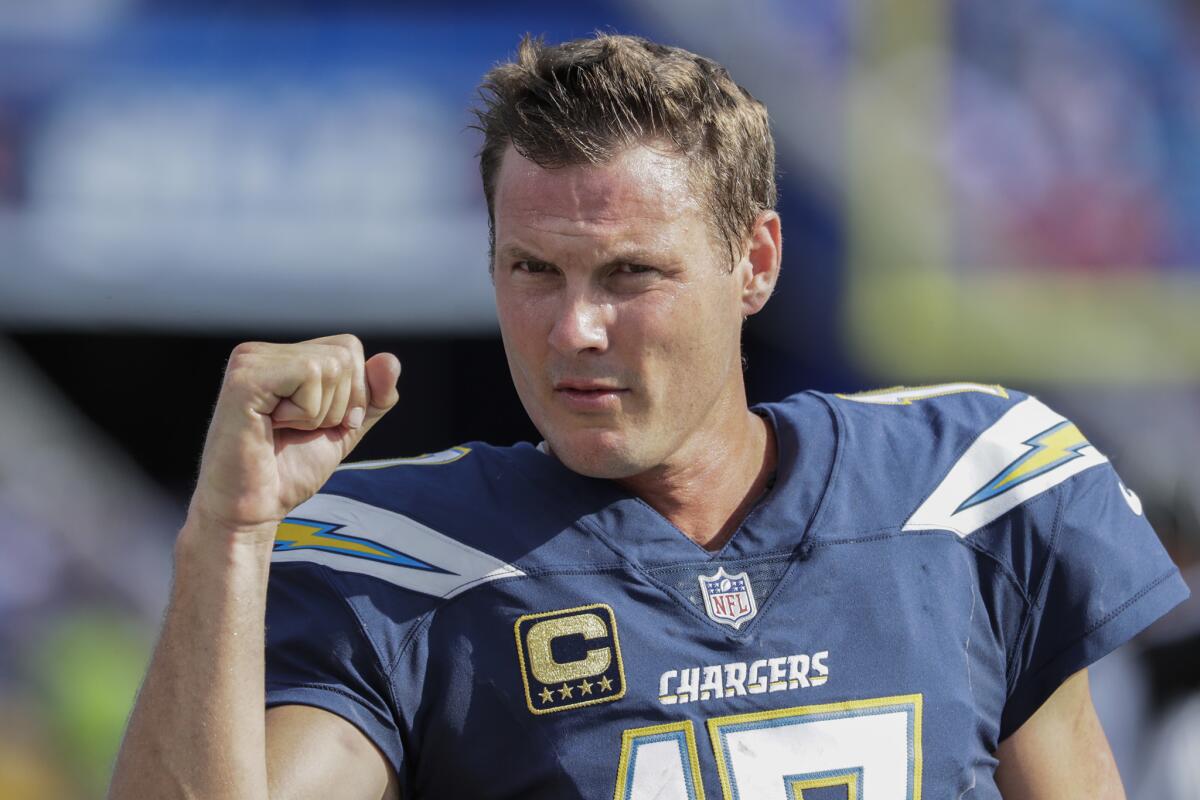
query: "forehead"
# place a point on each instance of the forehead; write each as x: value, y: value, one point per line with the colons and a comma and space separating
x: 639, y: 186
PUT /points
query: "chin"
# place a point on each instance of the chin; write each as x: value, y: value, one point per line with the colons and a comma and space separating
x: 596, y: 454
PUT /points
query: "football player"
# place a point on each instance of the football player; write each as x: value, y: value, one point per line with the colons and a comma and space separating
x: 877, y: 596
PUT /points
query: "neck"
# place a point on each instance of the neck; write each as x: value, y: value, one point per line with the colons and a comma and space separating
x: 712, y: 484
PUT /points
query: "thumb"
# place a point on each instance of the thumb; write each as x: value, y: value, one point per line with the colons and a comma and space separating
x: 382, y: 371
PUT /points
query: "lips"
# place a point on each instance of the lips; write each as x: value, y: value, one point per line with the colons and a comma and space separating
x: 586, y: 386
x: 589, y: 395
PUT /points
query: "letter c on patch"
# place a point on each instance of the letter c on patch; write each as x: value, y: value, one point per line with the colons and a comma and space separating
x: 539, y: 640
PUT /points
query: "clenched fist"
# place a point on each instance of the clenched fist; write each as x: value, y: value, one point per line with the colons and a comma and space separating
x: 287, y: 415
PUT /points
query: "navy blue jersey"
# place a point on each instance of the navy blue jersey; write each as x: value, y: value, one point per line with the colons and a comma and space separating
x: 927, y: 568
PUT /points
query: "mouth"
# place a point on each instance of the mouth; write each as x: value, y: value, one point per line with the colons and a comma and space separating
x: 589, y: 395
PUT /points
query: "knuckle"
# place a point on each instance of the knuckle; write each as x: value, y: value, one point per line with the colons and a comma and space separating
x: 350, y: 354
x: 242, y: 357
x: 334, y: 365
x: 343, y: 357
x: 246, y: 349
x: 351, y: 343
x: 313, y: 368
x: 239, y: 371
x: 244, y: 364
x: 235, y: 368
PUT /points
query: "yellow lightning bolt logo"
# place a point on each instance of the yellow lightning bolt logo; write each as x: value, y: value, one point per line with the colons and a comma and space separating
x: 1051, y: 448
x: 306, y: 534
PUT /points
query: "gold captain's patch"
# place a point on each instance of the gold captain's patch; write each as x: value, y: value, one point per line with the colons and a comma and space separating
x: 570, y: 658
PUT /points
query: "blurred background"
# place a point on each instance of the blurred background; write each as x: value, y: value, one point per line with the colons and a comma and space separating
x: 1000, y: 192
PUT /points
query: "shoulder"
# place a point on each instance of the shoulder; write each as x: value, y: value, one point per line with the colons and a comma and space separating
x: 954, y: 456
x: 958, y: 410
x: 427, y: 524
x: 950, y: 413
x: 422, y: 483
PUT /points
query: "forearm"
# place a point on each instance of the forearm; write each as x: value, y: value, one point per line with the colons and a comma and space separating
x: 286, y: 416
x: 197, y: 729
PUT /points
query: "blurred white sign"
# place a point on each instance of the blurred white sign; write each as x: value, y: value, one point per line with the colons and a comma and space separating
x: 350, y: 203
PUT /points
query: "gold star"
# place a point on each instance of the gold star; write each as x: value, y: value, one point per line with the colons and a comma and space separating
x: 546, y: 695
x: 565, y: 692
x: 605, y: 684
x: 585, y: 686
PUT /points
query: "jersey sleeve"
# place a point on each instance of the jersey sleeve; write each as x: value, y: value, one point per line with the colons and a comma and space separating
x: 1100, y: 578
x: 318, y: 654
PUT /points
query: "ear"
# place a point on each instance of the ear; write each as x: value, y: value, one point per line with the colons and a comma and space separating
x: 759, y: 267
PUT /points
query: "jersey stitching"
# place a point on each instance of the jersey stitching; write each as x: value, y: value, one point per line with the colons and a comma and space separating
x: 699, y: 548
x: 892, y: 533
x: 567, y: 569
x: 419, y: 627
x: 409, y: 514
x: 839, y: 432
x: 802, y: 549
x: 671, y: 592
x: 953, y: 463
x: 1004, y: 566
x: 553, y: 497
x: 1109, y: 617
x: 674, y: 594
x: 325, y: 687
x: 975, y: 704
x: 648, y: 570
x: 600, y: 534
x: 377, y: 657
x: 883, y: 531
x: 425, y: 621
x: 760, y: 558
x: 1032, y: 599
x: 401, y: 758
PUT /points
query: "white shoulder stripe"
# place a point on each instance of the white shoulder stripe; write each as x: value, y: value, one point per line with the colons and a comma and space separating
x: 905, y: 395
x: 1004, y: 467
x: 464, y: 567
x: 429, y: 459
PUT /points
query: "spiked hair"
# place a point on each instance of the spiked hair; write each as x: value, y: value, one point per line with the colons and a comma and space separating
x: 584, y: 101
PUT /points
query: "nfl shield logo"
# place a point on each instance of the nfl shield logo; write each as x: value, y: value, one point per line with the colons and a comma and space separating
x: 728, y: 599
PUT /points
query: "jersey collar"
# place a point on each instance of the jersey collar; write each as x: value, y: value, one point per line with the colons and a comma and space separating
x: 805, y: 435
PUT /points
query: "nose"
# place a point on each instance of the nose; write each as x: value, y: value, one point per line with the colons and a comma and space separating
x: 580, y: 326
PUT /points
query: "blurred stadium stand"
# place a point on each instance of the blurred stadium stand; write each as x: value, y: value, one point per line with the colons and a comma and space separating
x: 995, y: 191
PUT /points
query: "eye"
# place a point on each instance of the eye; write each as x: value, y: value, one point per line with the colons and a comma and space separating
x: 634, y: 269
x: 531, y: 267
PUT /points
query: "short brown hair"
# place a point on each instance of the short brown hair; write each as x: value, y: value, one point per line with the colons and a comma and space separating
x: 583, y: 101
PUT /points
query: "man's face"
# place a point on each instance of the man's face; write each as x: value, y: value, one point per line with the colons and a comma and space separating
x: 621, y: 320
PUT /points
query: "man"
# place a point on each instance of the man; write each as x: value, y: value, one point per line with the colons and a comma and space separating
x: 674, y: 596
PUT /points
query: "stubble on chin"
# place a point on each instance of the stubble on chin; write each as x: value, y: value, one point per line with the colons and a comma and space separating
x: 611, y: 460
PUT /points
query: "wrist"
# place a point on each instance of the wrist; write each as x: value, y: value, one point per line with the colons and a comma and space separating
x: 205, y: 537
x: 221, y: 574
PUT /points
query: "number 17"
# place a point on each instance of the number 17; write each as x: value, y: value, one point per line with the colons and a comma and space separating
x: 872, y: 747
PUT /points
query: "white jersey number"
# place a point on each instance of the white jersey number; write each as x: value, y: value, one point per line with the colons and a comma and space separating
x: 871, y: 747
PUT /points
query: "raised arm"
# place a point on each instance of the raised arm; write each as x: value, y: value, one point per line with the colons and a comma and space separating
x: 286, y: 416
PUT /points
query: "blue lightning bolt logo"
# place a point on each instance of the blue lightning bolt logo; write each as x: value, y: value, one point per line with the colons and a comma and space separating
x: 1050, y: 449
x: 306, y: 534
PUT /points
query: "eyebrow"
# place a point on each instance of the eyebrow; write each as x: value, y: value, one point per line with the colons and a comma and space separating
x: 517, y: 253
